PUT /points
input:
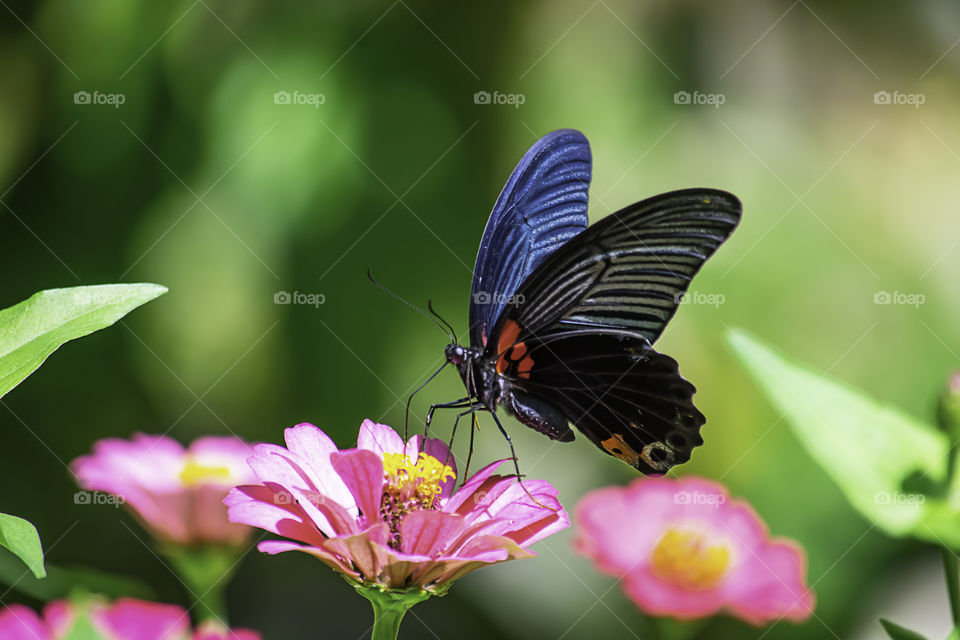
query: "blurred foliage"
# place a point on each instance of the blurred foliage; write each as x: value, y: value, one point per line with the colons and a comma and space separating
x: 201, y: 182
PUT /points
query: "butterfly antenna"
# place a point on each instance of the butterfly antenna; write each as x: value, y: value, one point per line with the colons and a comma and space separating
x: 447, y: 324
x: 411, y: 305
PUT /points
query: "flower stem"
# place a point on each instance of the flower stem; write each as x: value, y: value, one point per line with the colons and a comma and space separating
x: 953, y: 584
x: 389, y: 608
x: 205, y: 573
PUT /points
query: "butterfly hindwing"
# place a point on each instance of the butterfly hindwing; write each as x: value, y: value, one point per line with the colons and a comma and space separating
x: 626, y: 397
x: 579, y: 338
x: 542, y: 206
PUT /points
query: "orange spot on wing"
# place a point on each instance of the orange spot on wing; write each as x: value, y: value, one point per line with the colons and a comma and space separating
x: 619, y: 448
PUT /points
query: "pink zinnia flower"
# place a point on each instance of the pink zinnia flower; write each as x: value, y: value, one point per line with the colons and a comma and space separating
x: 125, y: 619
x: 387, y: 513
x: 684, y: 549
x: 176, y: 492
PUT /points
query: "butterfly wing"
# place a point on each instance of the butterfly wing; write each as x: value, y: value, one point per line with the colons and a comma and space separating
x: 580, y: 337
x: 541, y: 207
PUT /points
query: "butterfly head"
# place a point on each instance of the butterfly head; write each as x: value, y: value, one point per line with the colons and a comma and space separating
x: 456, y: 354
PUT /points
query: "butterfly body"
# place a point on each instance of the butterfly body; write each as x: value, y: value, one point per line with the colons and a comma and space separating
x: 563, y: 316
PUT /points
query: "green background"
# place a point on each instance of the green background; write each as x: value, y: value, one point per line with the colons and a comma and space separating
x: 200, y: 182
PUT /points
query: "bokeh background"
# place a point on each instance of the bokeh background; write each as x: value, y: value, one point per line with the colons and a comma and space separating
x: 200, y: 181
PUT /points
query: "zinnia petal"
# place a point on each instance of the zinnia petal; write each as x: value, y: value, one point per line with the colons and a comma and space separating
x: 429, y: 533
x: 379, y: 438
x: 313, y: 447
x: 362, y: 472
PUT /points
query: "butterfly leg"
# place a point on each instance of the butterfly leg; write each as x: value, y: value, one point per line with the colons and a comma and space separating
x: 472, y: 411
x: 513, y: 454
x: 474, y: 427
x: 462, y: 403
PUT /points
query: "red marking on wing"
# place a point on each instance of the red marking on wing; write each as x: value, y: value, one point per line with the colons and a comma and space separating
x: 509, y: 335
x: 524, y: 367
x: 519, y: 350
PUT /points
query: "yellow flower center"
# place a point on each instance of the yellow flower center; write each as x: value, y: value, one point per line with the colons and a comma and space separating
x: 410, y: 486
x: 194, y: 473
x: 689, y: 559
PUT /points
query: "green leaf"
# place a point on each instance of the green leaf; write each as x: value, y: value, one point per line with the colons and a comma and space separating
x: 874, y: 453
x: 35, y: 328
x: 897, y: 632
x: 21, y: 537
x: 62, y: 581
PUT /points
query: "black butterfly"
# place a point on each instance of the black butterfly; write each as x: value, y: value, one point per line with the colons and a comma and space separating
x: 562, y: 316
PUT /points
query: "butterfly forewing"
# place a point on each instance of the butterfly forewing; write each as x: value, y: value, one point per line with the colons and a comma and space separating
x: 542, y: 206
x: 631, y: 269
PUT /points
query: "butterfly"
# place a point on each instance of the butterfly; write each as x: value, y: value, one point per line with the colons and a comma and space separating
x: 563, y: 316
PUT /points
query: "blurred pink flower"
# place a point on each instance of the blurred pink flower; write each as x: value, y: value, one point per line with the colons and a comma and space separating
x: 387, y: 513
x: 177, y: 493
x: 125, y: 619
x: 214, y: 631
x: 18, y: 622
x: 686, y: 550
